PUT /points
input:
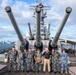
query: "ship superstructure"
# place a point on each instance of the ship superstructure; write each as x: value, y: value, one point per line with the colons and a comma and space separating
x: 40, y: 36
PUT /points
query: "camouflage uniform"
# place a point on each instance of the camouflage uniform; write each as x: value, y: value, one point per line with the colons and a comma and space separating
x: 12, y: 57
x: 29, y: 61
x: 20, y: 61
x: 42, y: 63
x: 64, y: 65
x: 55, y: 62
x: 33, y: 61
x: 38, y: 61
x: 25, y: 61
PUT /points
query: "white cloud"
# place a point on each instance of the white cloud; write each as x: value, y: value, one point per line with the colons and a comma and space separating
x: 26, y: 14
x: 5, y: 2
x: 7, y: 28
x: 23, y: 15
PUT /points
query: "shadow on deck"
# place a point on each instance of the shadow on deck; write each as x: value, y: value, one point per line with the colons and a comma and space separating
x: 30, y: 73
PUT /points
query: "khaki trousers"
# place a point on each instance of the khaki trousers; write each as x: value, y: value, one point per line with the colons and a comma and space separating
x: 46, y: 61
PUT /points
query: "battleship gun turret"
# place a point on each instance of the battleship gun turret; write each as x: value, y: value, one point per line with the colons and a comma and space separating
x: 31, y: 36
x: 38, y: 43
x: 53, y: 44
x: 40, y: 34
x: 24, y: 42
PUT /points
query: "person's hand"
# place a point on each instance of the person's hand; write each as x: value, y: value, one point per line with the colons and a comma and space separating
x: 69, y: 62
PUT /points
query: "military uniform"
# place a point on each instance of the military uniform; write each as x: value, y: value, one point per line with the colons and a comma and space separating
x: 29, y: 61
x: 42, y: 63
x: 20, y: 61
x: 25, y: 61
x: 38, y: 60
x: 33, y: 61
x: 55, y: 62
x: 12, y: 57
x: 64, y: 65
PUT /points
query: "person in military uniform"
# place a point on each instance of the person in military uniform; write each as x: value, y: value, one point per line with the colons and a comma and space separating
x: 38, y: 59
x: 58, y: 62
x: 55, y: 61
x: 33, y: 60
x: 42, y: 63
x: 52, y: 61
x: 64, y: 60
x: 12, y: 59
x: 29, y: 60
x: 20, y: 61
x: 25, y: 60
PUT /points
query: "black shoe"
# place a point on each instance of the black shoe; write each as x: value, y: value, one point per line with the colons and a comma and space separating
x: 55, y: 72
x: 51, y: 71
x: 9, y: 71
x: 27, y: 71
x: 30, y: 71
x: 44, y: 72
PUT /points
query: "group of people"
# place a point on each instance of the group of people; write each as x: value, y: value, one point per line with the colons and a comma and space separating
x: 36, y: 61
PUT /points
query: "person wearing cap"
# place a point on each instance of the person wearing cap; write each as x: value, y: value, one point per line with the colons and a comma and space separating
x: 58, y: 65
x: 38, y: 59
x: 55, y: 61
x: 12, y: 59
x: 52, y: 60
x: 20, y: 61
x: 33, y: 60
x: 25, y: 60
x: 29, y: 60
x: 47, y: 55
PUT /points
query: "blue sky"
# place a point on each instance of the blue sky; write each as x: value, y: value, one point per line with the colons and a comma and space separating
x: 23, y: 15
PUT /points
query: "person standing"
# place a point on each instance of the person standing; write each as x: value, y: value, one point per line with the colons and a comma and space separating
x: 29, y: 60
x: 38, y: 60
x: 12, y: 59
x: 55, y: 61
x: 52, y: 60
x: 25, y: 60
x: 33, y: 61
x: 64, y: 60
x: 47, y: 55
x: 57, y: 58
x: 20, y: 61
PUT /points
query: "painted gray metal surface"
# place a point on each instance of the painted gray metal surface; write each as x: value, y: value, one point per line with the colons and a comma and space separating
x: 10, y: 14
x: 30, y: 32
x: 38, y: 35
x: 55, y: 40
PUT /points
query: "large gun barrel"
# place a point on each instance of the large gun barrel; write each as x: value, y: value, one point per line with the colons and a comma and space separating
x: 38, y: 37
x: 48, y: 30
x: 54, y: 42
x: 10, y: 14
x: 31, y: 36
